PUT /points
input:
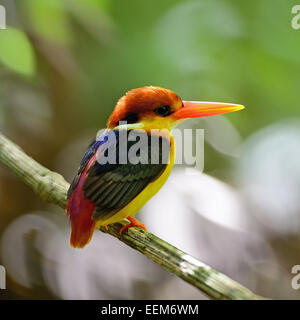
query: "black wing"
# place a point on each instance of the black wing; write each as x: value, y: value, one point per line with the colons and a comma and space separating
x: 91, y: 150
x: 112, y: 186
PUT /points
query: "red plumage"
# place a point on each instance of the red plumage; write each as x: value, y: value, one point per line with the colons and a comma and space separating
x: 141, y: 100
x: 80, y: 210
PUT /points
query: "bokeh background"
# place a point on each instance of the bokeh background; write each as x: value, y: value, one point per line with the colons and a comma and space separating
x: 64, y: 64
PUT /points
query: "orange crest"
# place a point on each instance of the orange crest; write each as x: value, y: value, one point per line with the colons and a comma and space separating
x: 142, y: 101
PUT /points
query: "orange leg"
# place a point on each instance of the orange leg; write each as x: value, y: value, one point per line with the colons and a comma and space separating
x: 106, y: 227
x: 133, y: 223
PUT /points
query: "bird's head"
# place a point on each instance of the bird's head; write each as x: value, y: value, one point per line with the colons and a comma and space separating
x: 159, y: 108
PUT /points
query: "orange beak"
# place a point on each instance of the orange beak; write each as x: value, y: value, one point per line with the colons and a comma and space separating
x: 196, y: 109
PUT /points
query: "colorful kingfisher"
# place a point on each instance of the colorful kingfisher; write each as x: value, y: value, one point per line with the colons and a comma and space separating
x: 105, y: 193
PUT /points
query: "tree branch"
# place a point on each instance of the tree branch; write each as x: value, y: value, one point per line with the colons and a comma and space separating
x: 52, y: 187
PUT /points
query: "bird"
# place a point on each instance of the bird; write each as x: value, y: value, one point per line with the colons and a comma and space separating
x: 105, y: 192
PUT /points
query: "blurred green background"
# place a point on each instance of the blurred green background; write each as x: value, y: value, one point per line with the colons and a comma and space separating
x: 64, y: 64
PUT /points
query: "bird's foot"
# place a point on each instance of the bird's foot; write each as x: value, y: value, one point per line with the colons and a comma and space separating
x: 133, y: 223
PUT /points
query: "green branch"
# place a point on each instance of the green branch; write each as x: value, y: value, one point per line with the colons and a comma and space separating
x: 52, y: 187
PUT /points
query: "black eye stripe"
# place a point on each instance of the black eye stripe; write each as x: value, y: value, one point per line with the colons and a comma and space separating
x: 131, y: 118
x: 163, y: 111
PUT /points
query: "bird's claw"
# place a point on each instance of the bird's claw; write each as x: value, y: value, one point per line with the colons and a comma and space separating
x: 133, y: 223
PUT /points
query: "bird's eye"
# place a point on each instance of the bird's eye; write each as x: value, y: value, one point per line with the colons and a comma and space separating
x: 163, y: 111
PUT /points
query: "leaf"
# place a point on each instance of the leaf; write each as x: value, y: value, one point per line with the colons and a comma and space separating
x: 16, y: 52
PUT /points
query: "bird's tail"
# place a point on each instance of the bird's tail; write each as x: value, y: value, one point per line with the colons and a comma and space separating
x: 80, y: 211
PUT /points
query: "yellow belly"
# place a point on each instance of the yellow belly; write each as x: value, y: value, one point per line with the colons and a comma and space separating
x: 139, y: 201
